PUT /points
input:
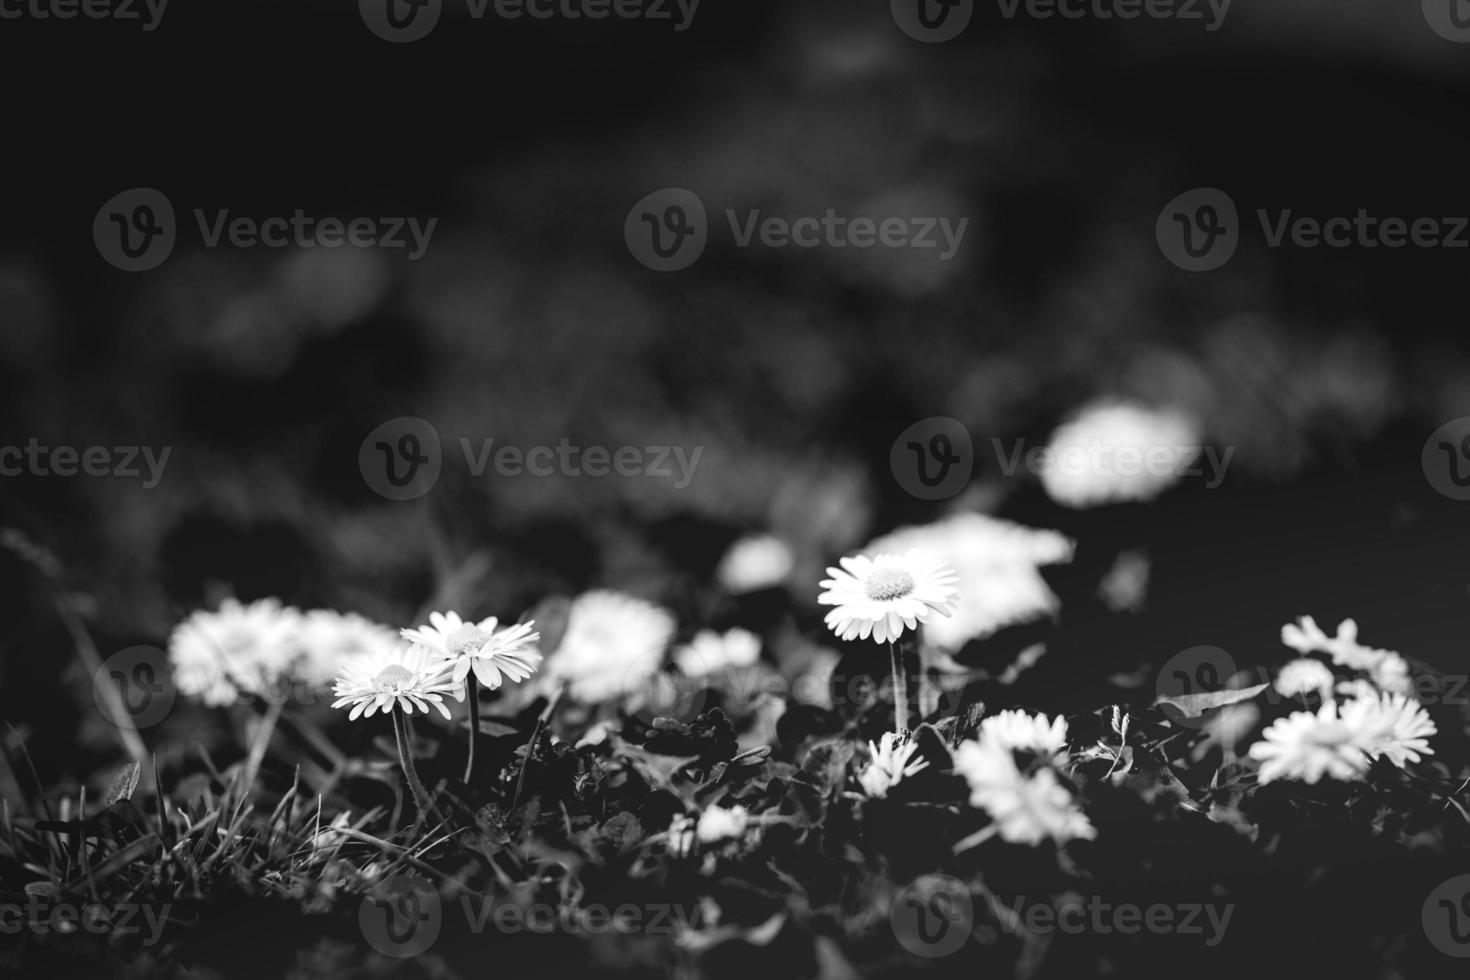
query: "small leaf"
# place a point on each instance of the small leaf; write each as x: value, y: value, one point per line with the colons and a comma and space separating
x: 123, y: 784
x: 497, y: 729
x: 1194, y: 705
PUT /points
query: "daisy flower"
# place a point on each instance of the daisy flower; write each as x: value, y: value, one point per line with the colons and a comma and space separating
x: 405, y: 677
x: 720, y: 823
x: 1118, y: 451
x: 997, y: 569
x: 329, y: 639
x: 1302, y: 677
x: 613, y: 643
x: 754, y: 563
x: 1019, y: 732
x: 1391, y: 726
x: 890, y: 764
x: 710, y: 652
x: 1026, y: 809
x: 495, y: 655
x: 882, y: 595
x: 1308, y: 745
x: 236, y: 650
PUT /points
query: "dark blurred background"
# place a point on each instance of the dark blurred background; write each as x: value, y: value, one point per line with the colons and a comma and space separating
x: 529, y: 321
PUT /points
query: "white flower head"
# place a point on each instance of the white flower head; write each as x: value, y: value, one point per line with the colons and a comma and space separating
x: 1308, y: 745
x: 710, y: 652
x: 997, y: 568
x: 329, y: 639
x: 236, y: 650
x: 407, y: 677
x: 882, y: 595
x: 890, y: 764
x: 719, y: 824
x: 754, y: 563
x: 1027, y: 809
x: 1119, y: 451
x: 1304, y: 676
x: 1387, y: 670
x: 613, y: 643
x: 494, y: 654
x: 1391, y: 726
x: 1020, y: 732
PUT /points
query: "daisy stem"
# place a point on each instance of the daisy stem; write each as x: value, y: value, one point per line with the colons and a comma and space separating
x: 472, y: 691
x: 405, y: 756
x: 531, y: 745
x: 900, y: 689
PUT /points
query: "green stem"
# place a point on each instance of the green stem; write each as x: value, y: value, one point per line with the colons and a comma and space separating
x: 472, y: 691
x: 405, y: 757
x: 900, y: 689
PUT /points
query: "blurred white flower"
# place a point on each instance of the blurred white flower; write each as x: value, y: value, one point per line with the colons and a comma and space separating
x: 1018, y: 731
x: 882, y: 595
x: 890, y: 764
x: 710, y: 652
x: 1118, y: 451
x: 1388, y: 670
x: 1308, y: 745
x: 494, y: 654
x: 754, y: 563
x: 1391, y: 726
x: 718, y: 823
x: 408, y: 677
x: 1026, y: 809
x: 238, y: 649
x: 613, y: 645
x: 996, y: 565
x: 330, y: 639
x: 1303, y: 676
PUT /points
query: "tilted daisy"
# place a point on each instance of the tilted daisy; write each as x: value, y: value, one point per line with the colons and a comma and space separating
x: 890, y: 764
x: 494, y: 654
x: 1018, y: 731
x: 1391, y: 726
x: 236, y: 650
x: 1025, y: 808
x: 612, y: 645
x: 1303, y: 676
x: 407, y: 677
x: 883, y: 595
x: 1308, y: 745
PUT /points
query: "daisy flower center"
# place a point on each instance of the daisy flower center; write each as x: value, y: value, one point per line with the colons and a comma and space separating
x: 1329, y: 736
x: 467, y: 639
x: 889, y: 583
x: 392, y: 678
